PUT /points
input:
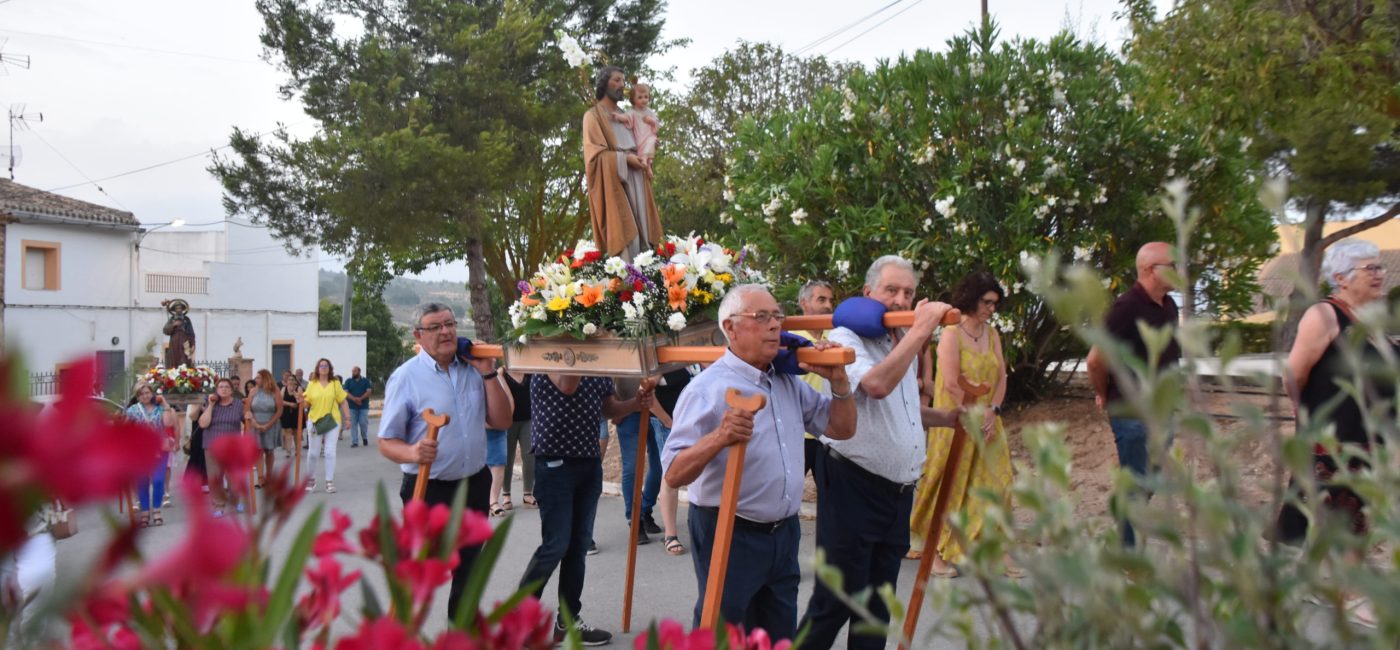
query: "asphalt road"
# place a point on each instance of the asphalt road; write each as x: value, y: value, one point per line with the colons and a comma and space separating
x: 665, y: 585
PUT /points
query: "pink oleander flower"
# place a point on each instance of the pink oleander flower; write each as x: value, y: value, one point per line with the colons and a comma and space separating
x: 330, y: 542
x: 529, y: 626
x: 321, y: 605
x: 424, y: 576
x: 380, y: 634
x: 671, y: 635
x: 236, y: 454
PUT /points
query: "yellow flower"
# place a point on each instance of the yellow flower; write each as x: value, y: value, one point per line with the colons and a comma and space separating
x: 725, y: 278
x: 558, y: 303
x: 704, y: 297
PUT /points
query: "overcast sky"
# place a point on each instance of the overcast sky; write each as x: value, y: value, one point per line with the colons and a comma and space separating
x: 133, y: 84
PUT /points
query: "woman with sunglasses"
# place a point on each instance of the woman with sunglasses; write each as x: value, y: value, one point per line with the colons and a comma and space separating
x: 969, y: 354
x: 329, y: 411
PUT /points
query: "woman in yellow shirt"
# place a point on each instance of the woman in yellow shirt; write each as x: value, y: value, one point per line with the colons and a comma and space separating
x: 328, y: 411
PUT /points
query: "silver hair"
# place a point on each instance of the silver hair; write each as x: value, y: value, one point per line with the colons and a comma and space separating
x: 1341, y: 258
x: 877, y: 267
x: 429, y: 308
x: 729, y: 305
x: 812, y: 285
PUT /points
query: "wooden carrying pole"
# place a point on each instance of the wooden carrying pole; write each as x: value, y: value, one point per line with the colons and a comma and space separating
x: 892, y: 319
x: 638, y: 475
x: 296, y: 444
x: 940, y: 510
x: 435, y: 422
x: 728, y: 510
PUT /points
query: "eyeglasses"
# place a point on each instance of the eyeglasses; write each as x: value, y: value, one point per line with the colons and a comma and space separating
x: 1373, y: 269
x: 762, y: 317
x: 990, y: 303
x: 434, y: 329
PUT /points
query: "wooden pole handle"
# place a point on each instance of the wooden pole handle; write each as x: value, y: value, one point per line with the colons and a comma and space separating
x: 637, y: 480
x: 728, y: 510
x: 892, y: 319
x: 435, y: 422
x: 837, y: 356
x: 296, y: 445
x: 940, y: 510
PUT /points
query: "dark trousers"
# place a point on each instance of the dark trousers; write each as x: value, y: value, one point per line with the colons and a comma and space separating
x: 627, y: 431
x: 811, y: 448
x: 567, y: 490
x: 760, y: 587
x: 478, y: 499
x: 863, y: 524
x: 1130, y: 437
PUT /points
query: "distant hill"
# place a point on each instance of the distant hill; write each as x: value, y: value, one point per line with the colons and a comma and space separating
x: 403, y: 295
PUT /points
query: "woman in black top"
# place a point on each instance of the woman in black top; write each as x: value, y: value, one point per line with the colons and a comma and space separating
x: 291, y: 391
x: 668, y: 392
x: 519, y: 435
x: 1318, y: 367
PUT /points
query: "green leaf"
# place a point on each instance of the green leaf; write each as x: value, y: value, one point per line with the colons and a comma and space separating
x: 470, y: 601
x: 279, y: 602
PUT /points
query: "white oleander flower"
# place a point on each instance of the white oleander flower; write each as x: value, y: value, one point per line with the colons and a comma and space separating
x: 676, y: 321
x: 799, y: 216
x: 573, y: 53
x: 1125, y: 102
x: 725, y: 219
x: 843, y: 267
x: 1082, y: 253
x: 945, y: 207
x: 1017, y: 166
x: 589, y: 329
x: 960, y: 228
x: 928, y: 223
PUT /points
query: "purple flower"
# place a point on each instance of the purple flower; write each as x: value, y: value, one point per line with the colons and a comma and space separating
x: 633, y: 275
x: 523, y: 286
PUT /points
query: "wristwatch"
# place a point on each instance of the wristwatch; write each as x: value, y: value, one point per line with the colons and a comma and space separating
x: 996, y: 408
x: 492, y: 375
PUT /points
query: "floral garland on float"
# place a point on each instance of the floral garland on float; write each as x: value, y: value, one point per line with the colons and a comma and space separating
x: 582, y: 294
x: 181, y: 380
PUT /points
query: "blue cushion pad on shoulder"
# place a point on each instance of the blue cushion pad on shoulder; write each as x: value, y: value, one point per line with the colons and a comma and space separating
x: 864, y: 316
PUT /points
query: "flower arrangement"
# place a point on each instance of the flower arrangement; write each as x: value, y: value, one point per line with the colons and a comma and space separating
x: 184, y: 379
x: 581, y: 293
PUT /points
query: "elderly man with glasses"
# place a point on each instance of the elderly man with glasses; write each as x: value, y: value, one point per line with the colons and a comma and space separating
x: 464, y: 389
x: 760, y: 588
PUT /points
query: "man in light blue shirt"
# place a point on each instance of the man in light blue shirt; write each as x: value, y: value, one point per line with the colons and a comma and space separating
x: 760, y: 587
x: 436, y: 378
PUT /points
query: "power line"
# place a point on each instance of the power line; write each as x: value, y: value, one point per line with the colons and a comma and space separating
x: 198, y: 55
x: 80, y: 172
x: 175, y: 160
x: 843, y: 29
x: 873, y: 27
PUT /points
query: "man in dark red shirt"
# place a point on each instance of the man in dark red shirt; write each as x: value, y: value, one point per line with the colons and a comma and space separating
x: 1146, y: 303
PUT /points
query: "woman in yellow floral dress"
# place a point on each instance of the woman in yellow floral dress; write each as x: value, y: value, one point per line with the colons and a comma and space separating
x: 969, y: 351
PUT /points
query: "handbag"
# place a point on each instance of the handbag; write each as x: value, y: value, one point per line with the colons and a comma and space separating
x: 324, y: 424
x: 67, y: 524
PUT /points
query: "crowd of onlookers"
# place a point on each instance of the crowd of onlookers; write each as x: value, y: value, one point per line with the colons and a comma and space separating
x: 322, y: 410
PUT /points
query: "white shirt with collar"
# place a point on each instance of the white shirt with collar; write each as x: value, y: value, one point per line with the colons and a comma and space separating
x: 890, y: 439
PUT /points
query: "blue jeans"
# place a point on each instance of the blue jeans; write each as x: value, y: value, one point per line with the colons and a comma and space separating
x: 567, y: 490
x: 627, y: 431
x: 359, y: 427
x: 1134, y: 454
x: 150, y: 490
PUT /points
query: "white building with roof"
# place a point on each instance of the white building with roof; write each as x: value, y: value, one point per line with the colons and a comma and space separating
x: 81, y: 278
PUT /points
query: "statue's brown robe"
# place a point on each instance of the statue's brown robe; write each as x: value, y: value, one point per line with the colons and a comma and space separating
x: 614, y: 225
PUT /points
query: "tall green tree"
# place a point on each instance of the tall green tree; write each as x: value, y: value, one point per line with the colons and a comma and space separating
x: 1314, y: 85
x: 435, y: 118
x: 385, y: 342
x: 750, y: 82
x: 968, y: 159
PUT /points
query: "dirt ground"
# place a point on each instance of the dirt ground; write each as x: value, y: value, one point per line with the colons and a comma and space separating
x: 1091, y: 442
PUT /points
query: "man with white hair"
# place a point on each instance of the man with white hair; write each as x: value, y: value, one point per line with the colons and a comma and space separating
x: 760, y: 588
x: 1147, y: 303
x: 865, y: 485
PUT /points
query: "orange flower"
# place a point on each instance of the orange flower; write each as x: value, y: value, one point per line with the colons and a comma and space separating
x: 673, y: 273
x: 589, y: 295
x: 614, y: 285
x: 675, y: 296
x: 528, y: 301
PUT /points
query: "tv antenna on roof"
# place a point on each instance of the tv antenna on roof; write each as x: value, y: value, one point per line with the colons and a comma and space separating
x: 20, y: 119
x: 17, y: 60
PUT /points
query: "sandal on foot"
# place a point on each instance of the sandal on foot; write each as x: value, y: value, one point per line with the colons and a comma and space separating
x: 673, y: 545
x: 505, y: 502
x: 946, y: 571
x: 913, y: 555
x: 497, y: 510
x: 528, y: 500
x: 156, y: 519
x: 143, y: 520
x: 330, y: 486
x: 1359, y: 611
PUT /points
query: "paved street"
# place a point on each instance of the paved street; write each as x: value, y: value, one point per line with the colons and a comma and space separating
x: 665, y: 585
